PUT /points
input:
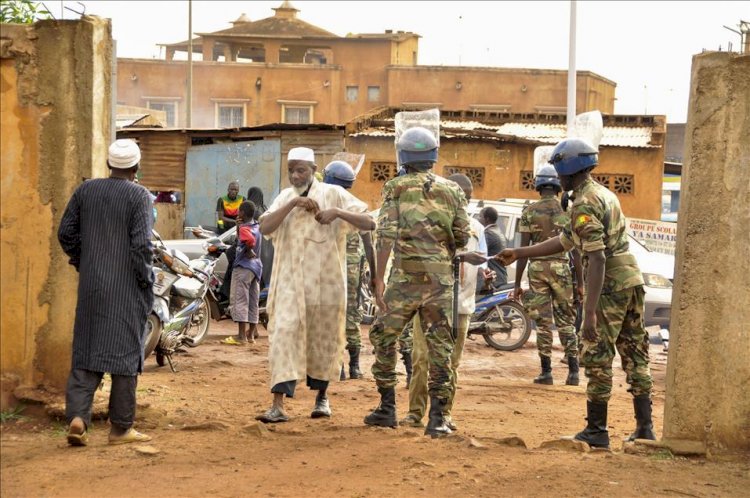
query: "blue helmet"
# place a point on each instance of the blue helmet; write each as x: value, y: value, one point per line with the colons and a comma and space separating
x: 547, y: 177
x: 417, y: 146
x: 573, y: 155
x: 339, y: 173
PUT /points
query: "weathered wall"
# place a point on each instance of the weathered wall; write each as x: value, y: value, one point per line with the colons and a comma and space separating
x: 708, y: 373
x: 523, y: 89
x: 356, y: 64
x: 55, y: 128
x: 504, y: 163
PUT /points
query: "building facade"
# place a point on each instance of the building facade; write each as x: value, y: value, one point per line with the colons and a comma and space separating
x: 283, y: 70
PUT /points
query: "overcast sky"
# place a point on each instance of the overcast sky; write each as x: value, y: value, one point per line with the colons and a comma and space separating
x: 644, y: 47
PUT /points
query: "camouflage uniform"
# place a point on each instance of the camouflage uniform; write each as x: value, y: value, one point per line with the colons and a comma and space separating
x: 354, y: 254
x: 550, y: 297
x: 424, y: 217
x: 597, y: 223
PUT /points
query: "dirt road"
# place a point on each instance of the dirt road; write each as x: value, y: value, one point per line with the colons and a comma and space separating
x: 207, y: 442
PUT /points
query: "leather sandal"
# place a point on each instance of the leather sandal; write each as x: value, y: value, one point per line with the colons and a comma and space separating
x: 272, y: 415
x: 132, y: 436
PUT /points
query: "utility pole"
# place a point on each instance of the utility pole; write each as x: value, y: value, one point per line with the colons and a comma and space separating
x: 571, y: 113
x: 189, y: 114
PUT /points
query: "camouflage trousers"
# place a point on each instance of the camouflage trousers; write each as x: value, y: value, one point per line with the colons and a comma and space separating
x: 353, y: 311
x: 549, y: 302
x: 418, y: 387
x: 619, y: 326
x: 407, y: 295
x: 406, y: 339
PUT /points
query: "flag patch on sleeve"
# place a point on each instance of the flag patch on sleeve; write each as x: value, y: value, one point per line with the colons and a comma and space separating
x: 582, y: 219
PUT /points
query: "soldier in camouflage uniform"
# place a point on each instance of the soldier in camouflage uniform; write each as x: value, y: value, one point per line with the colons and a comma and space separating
x: 423, y: 220
x: 550, y: 297
x: 613, y: 305
x: 357, y: 246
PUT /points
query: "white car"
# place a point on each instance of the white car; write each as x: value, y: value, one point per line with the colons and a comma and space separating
x: 657, y: 269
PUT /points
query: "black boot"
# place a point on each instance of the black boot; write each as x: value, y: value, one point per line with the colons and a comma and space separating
x: 436, y: 427
x: 546, y: 376
x: 644, y: 427
x: 342, y: 376
x: 572, y: 379
x: 406, y: 357
x: 322, y: 407
x: 354, y: 371
x: 595, y: 434
x: 385, y: 414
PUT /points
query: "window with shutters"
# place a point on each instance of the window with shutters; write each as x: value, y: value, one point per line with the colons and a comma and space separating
x: 169, y: 107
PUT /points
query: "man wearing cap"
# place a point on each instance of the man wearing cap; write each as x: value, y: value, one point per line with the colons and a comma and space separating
x: 308, y: 224
x: 106, y: 232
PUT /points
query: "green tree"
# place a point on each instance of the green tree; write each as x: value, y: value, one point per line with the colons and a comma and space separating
x: 22, y: 11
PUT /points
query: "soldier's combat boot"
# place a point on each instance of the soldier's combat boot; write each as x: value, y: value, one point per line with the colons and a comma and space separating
x: 354, y: 371
x: 644, y: 427
x: 436, y: 427
x: 595, y: 434
x: 406, y: 357
x: 546, y: 376
x: 385, y: 414
x: 572, y: 379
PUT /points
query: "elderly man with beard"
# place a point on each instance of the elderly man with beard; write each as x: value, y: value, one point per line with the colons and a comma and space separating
x: 308, y: 224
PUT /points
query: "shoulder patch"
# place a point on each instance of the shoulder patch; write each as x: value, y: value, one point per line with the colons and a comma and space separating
x: 582, y: 219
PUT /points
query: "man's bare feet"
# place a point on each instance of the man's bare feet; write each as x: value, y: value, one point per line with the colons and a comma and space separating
x: 77, y: 435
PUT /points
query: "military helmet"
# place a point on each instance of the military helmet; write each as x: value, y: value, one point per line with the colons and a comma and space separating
x: 547, y: 177
x: 573, y: 155
x: 417, y: 145
x: 339, y: 173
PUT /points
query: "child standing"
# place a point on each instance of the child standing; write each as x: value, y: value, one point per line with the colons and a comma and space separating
x: 246, y: 274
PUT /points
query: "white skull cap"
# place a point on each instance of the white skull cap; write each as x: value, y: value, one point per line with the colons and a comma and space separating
x: 124, y: 153
x: 301, y: 154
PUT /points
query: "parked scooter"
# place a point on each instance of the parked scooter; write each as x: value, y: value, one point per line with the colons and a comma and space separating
x: 502, y: 321
x: 180, y: 314
x: 218, y: 301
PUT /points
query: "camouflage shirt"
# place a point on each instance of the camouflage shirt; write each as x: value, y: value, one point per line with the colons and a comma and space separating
x: 424, y: 216
x: 543, y: 220
x: 597, y: 224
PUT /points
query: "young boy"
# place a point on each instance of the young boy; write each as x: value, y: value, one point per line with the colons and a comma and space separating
x: 246, y: 273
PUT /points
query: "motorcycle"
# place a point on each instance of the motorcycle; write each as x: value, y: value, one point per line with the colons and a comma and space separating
x: 180, y: 314
x: 502, y: 321
x: 218, y: 301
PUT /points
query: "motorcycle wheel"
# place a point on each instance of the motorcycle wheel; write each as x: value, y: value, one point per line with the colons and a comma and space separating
x: 513, y: 313
x: 366, y: 299
x: 199, y: 331
x: 153, y: 333
x: 160, y: 359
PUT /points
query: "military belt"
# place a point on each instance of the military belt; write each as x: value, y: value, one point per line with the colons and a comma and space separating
x: 424, y: 267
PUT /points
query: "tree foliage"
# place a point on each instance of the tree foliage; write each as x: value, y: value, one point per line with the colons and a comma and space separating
x: 22, y: 11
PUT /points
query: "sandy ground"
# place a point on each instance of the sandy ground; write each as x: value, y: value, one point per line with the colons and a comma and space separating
x: 207, y: 443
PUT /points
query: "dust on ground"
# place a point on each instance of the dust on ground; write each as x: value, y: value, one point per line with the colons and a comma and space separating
x: 206, y: 441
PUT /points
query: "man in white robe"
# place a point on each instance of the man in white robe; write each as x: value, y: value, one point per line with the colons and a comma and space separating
x: 308, y: 223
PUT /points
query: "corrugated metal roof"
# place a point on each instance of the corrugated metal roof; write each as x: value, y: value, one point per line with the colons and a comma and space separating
x: 612, y: 136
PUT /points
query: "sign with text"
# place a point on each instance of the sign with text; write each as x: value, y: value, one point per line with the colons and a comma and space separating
x: 658, y: 236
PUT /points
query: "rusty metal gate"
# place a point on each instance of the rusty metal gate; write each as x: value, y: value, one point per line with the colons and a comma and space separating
x: 210, y: 168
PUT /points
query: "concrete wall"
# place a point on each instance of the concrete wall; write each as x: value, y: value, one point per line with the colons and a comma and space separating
x: 56, y: 114
x: 708, y: 372
x: 503, y: 166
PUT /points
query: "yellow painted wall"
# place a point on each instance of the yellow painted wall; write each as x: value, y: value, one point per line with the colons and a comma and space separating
x: 504, y: 163
x: 51, y: 139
